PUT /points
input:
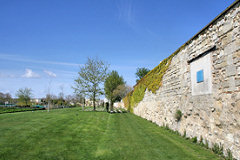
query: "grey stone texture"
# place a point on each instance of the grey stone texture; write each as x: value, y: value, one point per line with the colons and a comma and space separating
x: 215, y: 116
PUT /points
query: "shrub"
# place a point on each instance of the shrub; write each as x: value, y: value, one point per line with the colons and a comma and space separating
x: 166, y: 127
x: 229, y: 155
x: 177, y: 133
x: 18, y: 109
x: 194, y: 139
x: 184, y: 134
x: 206, y: 145
x: 178, y: 115
x: 218, y: 149
x: 201, y: 141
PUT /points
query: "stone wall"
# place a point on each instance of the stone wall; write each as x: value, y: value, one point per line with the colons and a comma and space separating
x: 213, y: 115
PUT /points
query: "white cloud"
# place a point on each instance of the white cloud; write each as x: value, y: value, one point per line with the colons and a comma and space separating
x: 50, y: 74
x: 30, y: 74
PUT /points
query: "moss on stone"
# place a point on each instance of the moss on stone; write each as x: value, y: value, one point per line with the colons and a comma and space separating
x: 152, y: 81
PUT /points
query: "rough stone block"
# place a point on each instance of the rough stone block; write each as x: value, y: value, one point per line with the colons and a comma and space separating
x: 227, y: 39
x: 237, y: 43
x: 230, y: 59
x: 237, y: 55
x: 230, y: 138
x: 231, y: 70
x: 221, y: 65
x: 227, y: 26
x: 228, y: 49
x: 221, y: 53
x: 232, y: 86
x: 237, y: 82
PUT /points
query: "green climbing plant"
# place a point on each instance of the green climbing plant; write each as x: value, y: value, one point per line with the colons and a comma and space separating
x: 151, y: 82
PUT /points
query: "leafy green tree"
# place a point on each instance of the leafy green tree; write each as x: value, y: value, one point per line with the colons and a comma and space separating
x: 90, y: 78
x: 24, y: 95
x: 112, y: 82
x: 141, y: 72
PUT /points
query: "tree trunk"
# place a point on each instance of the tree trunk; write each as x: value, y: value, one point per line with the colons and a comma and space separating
x: 83, y: 105
x: 107, y: 106
x: 94, y: 105
x: 111, y: 105
x: 48, y: 105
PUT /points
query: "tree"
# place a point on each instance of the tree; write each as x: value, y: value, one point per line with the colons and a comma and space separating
x: 61, y: 97
x: 5, y: 98
x: 69, y: 100
x: 122, y: 90
x: 2, y: 98
x: 90, y: 78
x: 48, y: 98
x: 74, y: 99
x: 24, y: 95
x: 141, y: 72
x: 112, y: 82
x: 80, y: 98
x: 8, y: 97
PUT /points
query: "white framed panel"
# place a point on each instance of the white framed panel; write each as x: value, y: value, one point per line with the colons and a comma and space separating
x: 202, y: 65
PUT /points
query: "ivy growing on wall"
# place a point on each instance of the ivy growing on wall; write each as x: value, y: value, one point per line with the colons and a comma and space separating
x: 151, y: 82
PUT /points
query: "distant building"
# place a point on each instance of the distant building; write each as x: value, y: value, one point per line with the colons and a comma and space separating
x: 89, y: 102
x: 36, y: 100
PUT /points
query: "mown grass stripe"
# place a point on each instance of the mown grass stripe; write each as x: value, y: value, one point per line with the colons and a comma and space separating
x: 71, y: 134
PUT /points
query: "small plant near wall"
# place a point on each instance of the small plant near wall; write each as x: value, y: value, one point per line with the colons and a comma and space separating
x: 185, y: 134
x: 218, y: 149
x: 201, y: 141
x: 229, y: 155
x: 207, y: 146
x: 194, y: 139
x: 178, y: 115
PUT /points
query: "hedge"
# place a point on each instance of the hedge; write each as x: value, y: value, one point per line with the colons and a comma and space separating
x: 17, y: 109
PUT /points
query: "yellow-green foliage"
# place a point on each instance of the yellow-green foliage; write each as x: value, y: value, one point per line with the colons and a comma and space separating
x: 127, y: 101
x: 152, y: 81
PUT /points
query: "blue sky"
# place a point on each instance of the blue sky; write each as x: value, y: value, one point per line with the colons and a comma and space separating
x: 42, y: 43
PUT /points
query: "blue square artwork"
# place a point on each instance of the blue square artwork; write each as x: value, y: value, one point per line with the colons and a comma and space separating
x: 200, y: 77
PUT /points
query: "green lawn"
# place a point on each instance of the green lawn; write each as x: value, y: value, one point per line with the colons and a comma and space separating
x: 72, y: 134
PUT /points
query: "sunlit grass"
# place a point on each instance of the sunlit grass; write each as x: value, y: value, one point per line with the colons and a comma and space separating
x: 72, y: 134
